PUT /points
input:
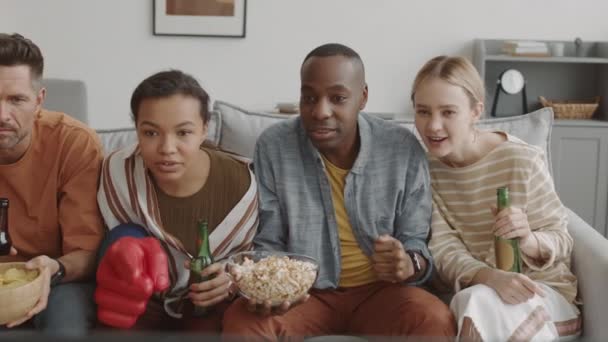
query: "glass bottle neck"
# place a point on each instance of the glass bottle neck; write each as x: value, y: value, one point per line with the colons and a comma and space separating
x: 203, y: 246
x: 3, y: 218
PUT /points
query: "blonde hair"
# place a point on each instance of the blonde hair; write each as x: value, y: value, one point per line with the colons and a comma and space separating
x: 457, y: 71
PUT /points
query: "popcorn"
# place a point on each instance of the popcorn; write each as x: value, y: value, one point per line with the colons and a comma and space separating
x: 276, y: 278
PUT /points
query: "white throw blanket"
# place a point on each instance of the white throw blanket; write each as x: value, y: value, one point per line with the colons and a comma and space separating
x: 482, y: 316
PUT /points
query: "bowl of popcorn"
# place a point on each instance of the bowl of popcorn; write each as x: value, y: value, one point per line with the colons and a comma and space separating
x: 274, y: 277
x: 20, y: 290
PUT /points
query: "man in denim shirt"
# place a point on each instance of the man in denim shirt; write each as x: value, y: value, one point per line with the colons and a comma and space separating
x: 352, y: 191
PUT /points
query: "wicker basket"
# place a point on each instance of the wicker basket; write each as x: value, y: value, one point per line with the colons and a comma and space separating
x: 572, y: 109
x: 16, y: 302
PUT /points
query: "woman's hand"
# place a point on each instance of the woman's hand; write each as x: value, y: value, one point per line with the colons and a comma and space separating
x: 212, y: 291
x: 512, y: 223
x: 512, y: 288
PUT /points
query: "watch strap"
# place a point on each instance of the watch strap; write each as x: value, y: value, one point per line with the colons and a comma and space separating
x: 415, y: 261
x: 59, y: 275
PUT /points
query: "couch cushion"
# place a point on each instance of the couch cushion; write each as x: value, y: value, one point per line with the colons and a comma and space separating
x: 114, y: 139
x: 67, y: 96
x: 241, y: 128
x: 533, y: 128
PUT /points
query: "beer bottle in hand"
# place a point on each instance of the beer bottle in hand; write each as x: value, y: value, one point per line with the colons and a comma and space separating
x: 5, y: 238
x: 508, y: 256
x: 200, y: 262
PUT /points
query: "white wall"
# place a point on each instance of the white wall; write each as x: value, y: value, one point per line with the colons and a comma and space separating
x: 109, y: 44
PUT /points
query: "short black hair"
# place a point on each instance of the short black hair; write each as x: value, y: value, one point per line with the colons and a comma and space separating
x: 335, y: 49
x: 169, y: 83
x: 15, y: 50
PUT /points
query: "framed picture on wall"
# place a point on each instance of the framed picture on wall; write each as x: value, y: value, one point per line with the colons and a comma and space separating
x: 210, y: 18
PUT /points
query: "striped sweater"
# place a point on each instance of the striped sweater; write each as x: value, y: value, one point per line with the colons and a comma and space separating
x: 127, y: 195
x: 462, y: 242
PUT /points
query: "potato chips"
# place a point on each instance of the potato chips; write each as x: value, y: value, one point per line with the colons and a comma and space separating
x: 15, y: 277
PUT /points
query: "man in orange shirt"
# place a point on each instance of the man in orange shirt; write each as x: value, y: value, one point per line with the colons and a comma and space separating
x: 49, y: 171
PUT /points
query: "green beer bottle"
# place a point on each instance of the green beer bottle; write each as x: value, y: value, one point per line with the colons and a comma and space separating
x: 508, y: 256
x: 200, y: 262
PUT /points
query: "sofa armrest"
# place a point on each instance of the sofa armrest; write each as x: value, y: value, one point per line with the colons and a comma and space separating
x: 590, y: 264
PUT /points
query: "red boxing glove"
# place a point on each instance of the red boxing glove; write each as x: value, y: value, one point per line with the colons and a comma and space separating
x: 130, y: 271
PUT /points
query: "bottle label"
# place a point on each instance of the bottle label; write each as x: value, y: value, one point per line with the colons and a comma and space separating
x: 507, y: 254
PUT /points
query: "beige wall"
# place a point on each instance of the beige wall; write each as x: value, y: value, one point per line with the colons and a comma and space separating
x: 109, y: 44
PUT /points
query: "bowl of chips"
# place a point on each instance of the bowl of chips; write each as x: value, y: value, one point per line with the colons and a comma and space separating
x: 20, y: 290
x: 273, y: 277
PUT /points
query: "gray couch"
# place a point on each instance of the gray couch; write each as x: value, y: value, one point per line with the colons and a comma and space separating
x: 68, y: 96
x: 236, y: 130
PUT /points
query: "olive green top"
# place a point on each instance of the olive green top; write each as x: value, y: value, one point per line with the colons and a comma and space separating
x: 226, y: 184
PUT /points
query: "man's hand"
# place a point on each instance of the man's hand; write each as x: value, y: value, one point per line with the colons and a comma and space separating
x: 390, y: 262
x: 513, y: 288
x: 212, y: 291
x: 266, y: 309
x: 130, y: 271
x: 13, y: 256
x: 46, y: 266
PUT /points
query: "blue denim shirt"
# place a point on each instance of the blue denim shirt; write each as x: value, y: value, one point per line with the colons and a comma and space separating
x: 387, y: 191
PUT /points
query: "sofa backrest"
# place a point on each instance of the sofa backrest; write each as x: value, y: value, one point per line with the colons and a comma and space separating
x: 67, y: 96
x: 533, y: 128
x: 236, y: 129
x: 240, y: 128
x: 113, y: 139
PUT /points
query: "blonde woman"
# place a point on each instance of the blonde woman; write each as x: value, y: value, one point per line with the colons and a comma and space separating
x: 467, y: 166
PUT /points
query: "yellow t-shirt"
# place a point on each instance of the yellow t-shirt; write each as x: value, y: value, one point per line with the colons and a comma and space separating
x: 356, y: 266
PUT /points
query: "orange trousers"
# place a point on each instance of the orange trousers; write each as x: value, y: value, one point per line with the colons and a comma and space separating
x: 377, y: 309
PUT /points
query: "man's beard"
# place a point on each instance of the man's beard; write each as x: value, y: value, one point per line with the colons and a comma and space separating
x: 8, y: 142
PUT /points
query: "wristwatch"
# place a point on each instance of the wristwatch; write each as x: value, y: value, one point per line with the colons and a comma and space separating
x: 415, y: 261
x: 58, y: 276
